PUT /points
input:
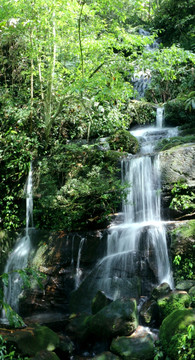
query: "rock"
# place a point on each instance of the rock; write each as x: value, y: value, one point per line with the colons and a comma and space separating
x: 185, y: 285
x: 192, y: 296
x: 161, y: 290
x: 173, y: 327
x: 45, y: 355
x: 78, y: 326
x: 177, y: 164
x: 31, y: 340
x: 66, y: 347
x: 138, y: 346
x: 107, y: 355
x: 173, y: 301
x: 116, y: 319
x: 150, y: 313
x: 99, y: 301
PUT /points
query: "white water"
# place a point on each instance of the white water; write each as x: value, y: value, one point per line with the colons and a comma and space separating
x: 142, y: 78
x: 18, y: 259
x: 159, y: 117
x: 142, y: 231
x: 78, y: 270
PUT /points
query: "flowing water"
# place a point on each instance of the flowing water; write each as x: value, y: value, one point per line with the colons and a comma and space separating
x: 78, y: 270
x: 18, y: 259
x: 137, y: 255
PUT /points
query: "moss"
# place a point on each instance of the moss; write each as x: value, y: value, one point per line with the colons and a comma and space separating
x: 177, y: 300
x: 38, y: 338
x: 123, y: 140
x: 173, y: 142
x: 173, y: 328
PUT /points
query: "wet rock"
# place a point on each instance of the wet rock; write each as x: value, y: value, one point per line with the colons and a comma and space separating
x: 161, y: 290
x: 107, y: 355
x: 185, y: 285
x: 150, y: 313
x: 177, y: 164
x: 118, y: 318
x: 33, y: 339
x: 173, y: 301
x: 45, y: 355
x: 99, y: 301
x: 78, y: 327
x: 138, y: 346
x: 176, y: 324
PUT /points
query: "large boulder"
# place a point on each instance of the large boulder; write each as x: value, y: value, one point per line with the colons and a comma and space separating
x: 173, y: 301
x: 116, y: 319
x: 177, y: 164
x: 138, y: 346
x: 31, y: 340
x: 99, y: 301
x: 174, y: 330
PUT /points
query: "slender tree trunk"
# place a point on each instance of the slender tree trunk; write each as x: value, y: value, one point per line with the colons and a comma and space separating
x: 31, y: 80
x: 80, y: 42
x: 48, y: 99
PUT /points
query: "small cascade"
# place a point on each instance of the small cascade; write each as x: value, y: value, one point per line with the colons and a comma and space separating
x: 137, y: 258
x: 159, y: 117
x: 78, y: 270
x: 141, y: 79
x: 18, y: 259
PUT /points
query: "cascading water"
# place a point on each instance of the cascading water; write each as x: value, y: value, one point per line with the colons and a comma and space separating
x: 19, y: 257
x: 136, y: 258
x: 78, y: 270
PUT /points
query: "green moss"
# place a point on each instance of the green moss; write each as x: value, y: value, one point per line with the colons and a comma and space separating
x: 173, y: 142
x: 174, y: 334
x: 175, y: 301
x: 123, y: 140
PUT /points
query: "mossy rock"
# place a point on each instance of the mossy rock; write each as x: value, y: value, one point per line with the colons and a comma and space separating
x: 78, y: 327
x: 32, y: 340
x: 107, y: 355
x: 116, y: 319
x: 123, y: 140
x: 130, y: 348
x: 173, y: 301
x: 161, y: 290
x: 99, y: 302
x: 172, y: 330
x: 45, y: 355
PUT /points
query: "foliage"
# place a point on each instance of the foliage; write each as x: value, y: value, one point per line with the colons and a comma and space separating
x: 183, y: 197
x: 79, y: 187
x: 177, y: 334
x: 177, y: 112
x: 184, y: 344
x: 15, y: 155
x: 124, y: 141
x: 172, y: 71
x: 174, y: 20
x: 27, y: 275
x: 141, y: 112
x: 166, y: 144
x: 183, y: 268
x: 9, y: 352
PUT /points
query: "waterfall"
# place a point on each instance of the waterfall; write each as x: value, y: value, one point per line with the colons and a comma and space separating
x: 142, y: 78
x: 138, y: 245
x: 18, y: 259
x: 78, y: 270
x: 159, y: 117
